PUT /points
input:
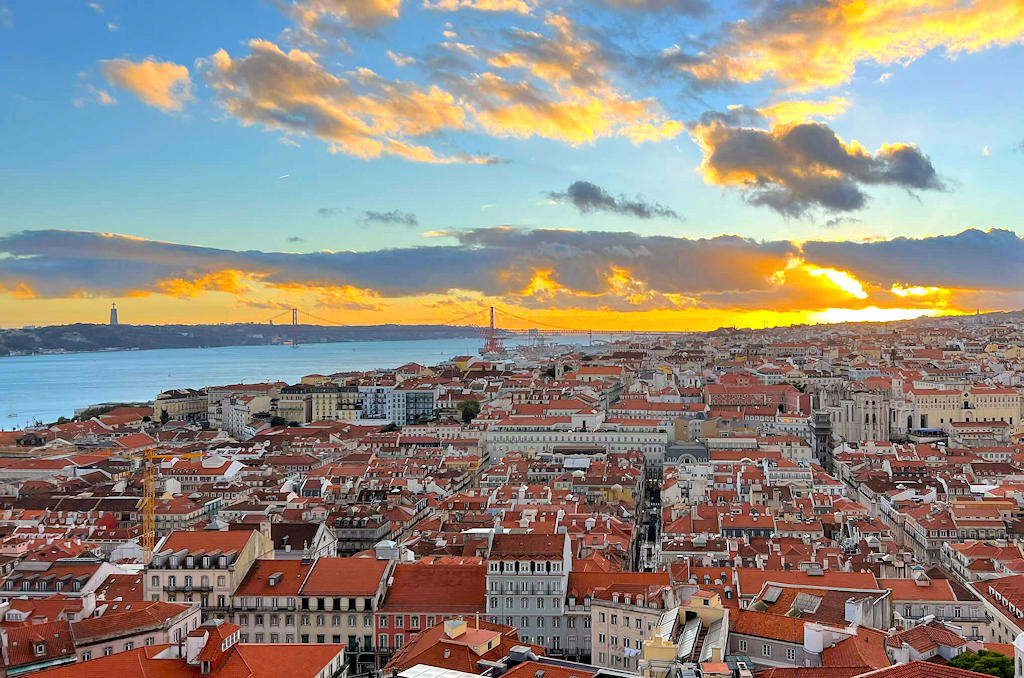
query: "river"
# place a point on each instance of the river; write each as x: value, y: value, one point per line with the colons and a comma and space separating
x: 45, y: 387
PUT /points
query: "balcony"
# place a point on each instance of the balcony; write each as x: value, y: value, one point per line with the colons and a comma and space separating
x: 187, y: 588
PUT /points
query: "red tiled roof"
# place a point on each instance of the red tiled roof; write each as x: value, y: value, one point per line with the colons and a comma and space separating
x: 208, y: 540
x: 345, y: 576
x: 427, y: 586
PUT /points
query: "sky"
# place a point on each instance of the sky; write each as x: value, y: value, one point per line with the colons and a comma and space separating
x: 605, y: 164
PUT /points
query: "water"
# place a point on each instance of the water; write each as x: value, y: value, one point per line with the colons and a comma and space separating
x: 45, y: 387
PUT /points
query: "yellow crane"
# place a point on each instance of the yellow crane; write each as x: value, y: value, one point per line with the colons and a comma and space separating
x: 149, y: 459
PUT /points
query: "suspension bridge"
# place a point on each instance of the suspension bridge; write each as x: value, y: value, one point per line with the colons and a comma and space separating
x: 494, y: 324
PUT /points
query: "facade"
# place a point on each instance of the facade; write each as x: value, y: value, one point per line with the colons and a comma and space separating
x: 411, y: 404
x: 527, y: 578
x: 340, y: 403
x: 203, y: 567
x: 184, y: 404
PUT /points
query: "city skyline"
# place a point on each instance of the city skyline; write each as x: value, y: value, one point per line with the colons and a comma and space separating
x: 642, y: 164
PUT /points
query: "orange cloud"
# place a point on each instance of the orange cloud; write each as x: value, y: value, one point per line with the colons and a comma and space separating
x: 316, y: 15
x: 230, y: 282
x: 362, y: 115
x: 819, y: 44
x: 786, y: 112
x: 161, y: 84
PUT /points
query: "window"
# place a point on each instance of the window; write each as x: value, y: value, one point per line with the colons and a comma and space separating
x: 382, y: 641
x: 384, y: 621
x: 155, y: 580
x: 320, y: 638
x: 743, y: 646
x: 791, y: 654
x: 766, y: 650
x: 107, y: 651
x: 86, y: 656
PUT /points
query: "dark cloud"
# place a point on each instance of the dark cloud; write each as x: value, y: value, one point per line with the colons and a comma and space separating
x: 296, y: 238
x: 972, y: 259
x: 835, y: 222
x: 734, y: 116
x: 588, y: 197
x: 392, y: 217
x: 796, y: 168
x: 492, y: 261
x: 544, y: 268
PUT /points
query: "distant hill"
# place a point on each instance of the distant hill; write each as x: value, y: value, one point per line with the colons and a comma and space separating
x: 85, y: 337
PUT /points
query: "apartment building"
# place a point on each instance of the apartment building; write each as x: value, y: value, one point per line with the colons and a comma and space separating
x: 329, y: 402
x: 184, y: 404
x: 527, y: 578
x: 203, y: 567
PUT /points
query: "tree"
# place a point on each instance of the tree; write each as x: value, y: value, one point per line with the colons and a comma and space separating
x: 985, y: 661
x: 276, y: 421
x: 164, y: 417
x: 469, y: 410
x: 389, y: 428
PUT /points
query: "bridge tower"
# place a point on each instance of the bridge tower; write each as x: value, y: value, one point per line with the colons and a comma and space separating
x: 492, y: 342
x: 295, y: 326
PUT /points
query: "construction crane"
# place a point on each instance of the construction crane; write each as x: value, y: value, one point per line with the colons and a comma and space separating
x: 149, y: 459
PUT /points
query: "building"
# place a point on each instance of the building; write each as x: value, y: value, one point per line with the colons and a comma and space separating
x: 213, y: 649
x: 338, y: 602
x: 330, y: 402
x: 412, y: 403
x: 426, y: 593
x: 527, y: 579
x: 95, y: 631
x: 204, y: 567
x: 185, y: 404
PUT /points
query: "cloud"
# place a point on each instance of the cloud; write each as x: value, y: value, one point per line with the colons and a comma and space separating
x: 92, y: 94
x: 545, y: 269
x: 400, y: 59
x: 685, y: 7
x: 296, y: 238
x: 329, y: 16
x: 795, y: 168
x: 327, y: 211
x: 495, y: 261
x: 807, y: 44
x: 786, y: 112
x: 588, y: 197
x: 555, y: 83
x: 517, y: 6
x: 361, y: 114
x: 835, y: 222
x: 392, y: 217
x: 972, y: 259
x: 161, y: 84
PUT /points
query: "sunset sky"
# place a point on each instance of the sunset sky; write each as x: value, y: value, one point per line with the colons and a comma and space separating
x: 634, y: 164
